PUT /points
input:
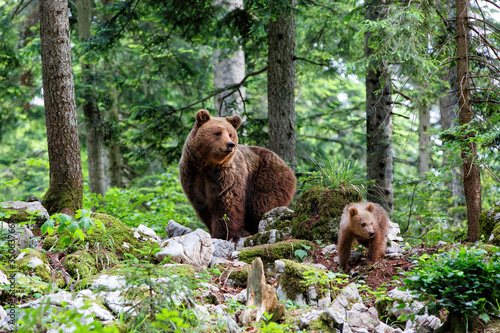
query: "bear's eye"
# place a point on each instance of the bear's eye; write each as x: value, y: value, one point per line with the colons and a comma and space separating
x: 363, y: 225
x: 230, y: 135
x: 218, y: 134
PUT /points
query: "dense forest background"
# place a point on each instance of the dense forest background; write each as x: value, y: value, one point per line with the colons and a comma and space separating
x: 143, y: 68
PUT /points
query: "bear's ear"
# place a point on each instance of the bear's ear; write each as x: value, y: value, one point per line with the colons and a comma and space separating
x: 202, y: 117
x: 353, y: 211
x: 235, y: 121
x: 370, y: 208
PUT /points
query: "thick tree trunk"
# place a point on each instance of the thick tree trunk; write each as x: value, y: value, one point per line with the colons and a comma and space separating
x: 424, y: 139
x: 229, y: 68
x: 93, y: 118
x: 281, y: 80
x: 471, y: 172
x: 65, y: 191
x: 379, y: 152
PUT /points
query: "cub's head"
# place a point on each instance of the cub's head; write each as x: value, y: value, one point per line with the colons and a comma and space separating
x: 214, y: 138
x: 362, y: 220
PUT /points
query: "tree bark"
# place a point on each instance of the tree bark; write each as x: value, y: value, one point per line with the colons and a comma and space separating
x: 379, y: 152
x: 229, y: 68
x: 424, y: 139
x: 93, y: 117
x: 471, y: 172
x: 65, y: 193
x: 281, y: 80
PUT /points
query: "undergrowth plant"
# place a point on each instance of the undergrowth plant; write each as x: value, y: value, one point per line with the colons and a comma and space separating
x: 465, y: 282
x: 340, y: 173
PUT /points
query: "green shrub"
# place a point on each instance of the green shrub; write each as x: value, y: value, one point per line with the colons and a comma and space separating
x: 466, y: 282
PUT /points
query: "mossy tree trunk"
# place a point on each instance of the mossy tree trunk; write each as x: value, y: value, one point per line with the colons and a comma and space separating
x: 65, y: 193
x: 281, y: 80
x: 471, y: 172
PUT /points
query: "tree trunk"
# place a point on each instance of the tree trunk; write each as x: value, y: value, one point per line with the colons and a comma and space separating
x: 424, y: 139
x: 65, y: 193
x: 281, y: 80
x: 93, y: 118
x: 229, y: 68
x: 379, y: 152
x: 471, y: 172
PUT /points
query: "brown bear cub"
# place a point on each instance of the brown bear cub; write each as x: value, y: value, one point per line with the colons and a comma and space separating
x: 231, y: 186
x: 367, y: 223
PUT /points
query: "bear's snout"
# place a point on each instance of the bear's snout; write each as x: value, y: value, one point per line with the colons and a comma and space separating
x: 371, y: 234
x: 230, y: 146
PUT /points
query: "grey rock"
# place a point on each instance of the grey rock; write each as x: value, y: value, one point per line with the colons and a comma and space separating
x: 175, y: 229
x: 145, y: 233
x: 40, y: 214
x: 360, y: 317
x: 92, y: 309
x: 329, y: 249
x: 427, y: 323
x: 274, y: 215
x: 22, y: 235
x: 306, y: 318
x: 195, y: 249
x: 109, y: 282
x: 222, y: 248
x: 4, y: 280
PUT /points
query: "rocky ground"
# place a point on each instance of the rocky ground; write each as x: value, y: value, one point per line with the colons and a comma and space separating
x: 228, y: 286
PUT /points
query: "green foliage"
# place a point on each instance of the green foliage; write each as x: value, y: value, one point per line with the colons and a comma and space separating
x: 152, y: 201
x: 465, y: 281
x: 300, y: 254
x: 327, y: 280
x: 75, y: 227
x: 424, y: 209
x: 340, y: 174
x: 49, y: 317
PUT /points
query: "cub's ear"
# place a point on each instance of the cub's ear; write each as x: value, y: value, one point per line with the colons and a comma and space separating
x: 370, y: 208
x: 202, y: 117
x: 353, y: 211
x: 235, y: 121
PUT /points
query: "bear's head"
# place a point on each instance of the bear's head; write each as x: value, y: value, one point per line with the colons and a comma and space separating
x: 362, y: 220
x: 215, y: 139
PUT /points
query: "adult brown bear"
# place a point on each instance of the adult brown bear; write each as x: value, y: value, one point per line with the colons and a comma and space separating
x: 231, y: 186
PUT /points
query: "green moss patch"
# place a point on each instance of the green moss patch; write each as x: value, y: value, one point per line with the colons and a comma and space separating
x: 293, y: 279
x: 25, y: 265
x: 271, y: 252
x: 488, y: 221
x: 318, y: 211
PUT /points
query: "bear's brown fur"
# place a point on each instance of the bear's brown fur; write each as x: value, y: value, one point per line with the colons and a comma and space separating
x: 367, y: 223
x: 231, y: 186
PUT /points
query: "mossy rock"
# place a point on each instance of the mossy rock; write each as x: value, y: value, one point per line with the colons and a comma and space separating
x: 34, y: 263
x: 116, y: 238
x: 293, y: 280
x: 265, y: 237
x: 271, y: 252
x: 49, y: 242
x: 238, y: 276
x: 83, y: 264
x: 318, y: 211
x: 488, y: 221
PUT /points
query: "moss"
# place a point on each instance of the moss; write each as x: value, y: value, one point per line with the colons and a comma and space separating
x: 42, y: 271
x: 61, y: 197
x: 239, y: 276
x: 49, y: 242
x: 383, y: 306
x: 293, y: 280
x: 179, y: 270
x: 271, y: 252
x: 117, y: 238
x: 262, y: 238
x: 488, y: 220
x: 318, y: 211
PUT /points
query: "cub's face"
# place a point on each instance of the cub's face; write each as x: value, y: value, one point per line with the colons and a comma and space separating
x: 216, y: 138
x: 363, y: 221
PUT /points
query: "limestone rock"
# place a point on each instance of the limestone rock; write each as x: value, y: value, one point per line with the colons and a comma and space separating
x: 23, y: 237
x: 109, y: 282
x: 26, y: 211
x: 261, y: 296
x: 195, y: 248
x: 273, y: 219
x: 145, y: 233
x: 222, y: 248
x: 360, y: 317
x: 175, y: 229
